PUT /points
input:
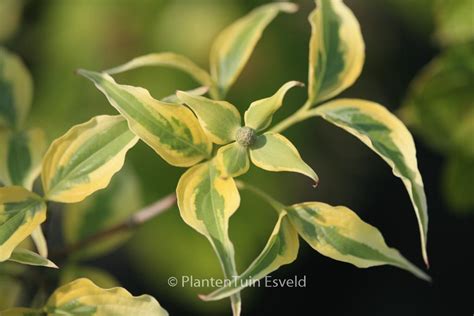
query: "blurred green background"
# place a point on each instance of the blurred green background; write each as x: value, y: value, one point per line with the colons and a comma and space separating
x: 419, y: 63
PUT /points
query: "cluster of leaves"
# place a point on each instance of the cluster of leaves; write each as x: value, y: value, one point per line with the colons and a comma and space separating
x: 440, y: 106
x: 206, y: 135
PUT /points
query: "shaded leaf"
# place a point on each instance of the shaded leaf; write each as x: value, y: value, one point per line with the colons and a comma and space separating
x: 16, y: 90
x: 85, y: 159
x: 21, y: 154
x: 336, y: 50
x: 170, y: 129
x: 338, y: 233
x: 40, y: 242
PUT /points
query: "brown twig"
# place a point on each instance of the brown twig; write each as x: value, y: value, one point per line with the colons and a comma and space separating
x: 138, y: 218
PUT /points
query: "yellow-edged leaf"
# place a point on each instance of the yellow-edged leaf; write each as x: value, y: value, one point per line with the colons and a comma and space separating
x: 281, y: 248
x: 83, y: 297
x: 170, y: 129
x: 220, y: 119
x: 233, y: 46
x: 85, y: 159
x: 259, y: 114
x: 166, y: 59
x: 25, y: 256
x: 21, y: 212
x: 21, y: 154
x: 206, y: 201
x: 232, y: 160
x: 385, y: 134
x: 40, y: 241
x: 336, y: 50
x: 173, y: 98
x: 16, y: 90
x: 338, y: 233
x: 101, y: 211
x: 274, y: 152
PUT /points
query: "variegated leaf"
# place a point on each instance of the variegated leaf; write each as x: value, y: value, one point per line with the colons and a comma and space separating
x: 166, y: 59
x: 101, y: 211
x: 25, y: 256
x: 220, y: 119
x: 274, y: 152
x: 40, y: 241
x: 385, y: 134
x: 259, y: 114
x: 83, y: 297
x: 232, y: 160
x: 16, y: 90
x: 21, y: 154
x: 21, y: 212
x: 233, y: 46
x: 84, y: 160
x: 281, y: 249
x: 170, y: 129
x: 336, y: 50
x: 206, y: 201
x: 173, y: 98
x: 338, y: 233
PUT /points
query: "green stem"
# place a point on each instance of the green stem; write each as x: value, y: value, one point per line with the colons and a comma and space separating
x: 278, y: 206
x: 296, y: 117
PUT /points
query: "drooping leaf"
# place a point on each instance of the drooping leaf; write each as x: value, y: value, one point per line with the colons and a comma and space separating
x: 336, y: 50
x: 170, y: 129
x: 233, y: 46
x: 274, y: 152
x: 21, y: 154
x: 232, y: 160
x: 441, y: 98
x: 25, y: 256
x: 99, y: 276
x: 206, y: 202
x: 16, y: 89
x: 220, y: 119
x: 259, y: 114
x: 458, y: 183
x: 281, y: 248
x: 173, y: 98
x: 21, y: 212
x: 83, y: 297
x: 385, y: 134
x: 40, y: 241
x: 85, y: 159
x: 168, y: 60
x: 338, y: 233
x: 100, y: 212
